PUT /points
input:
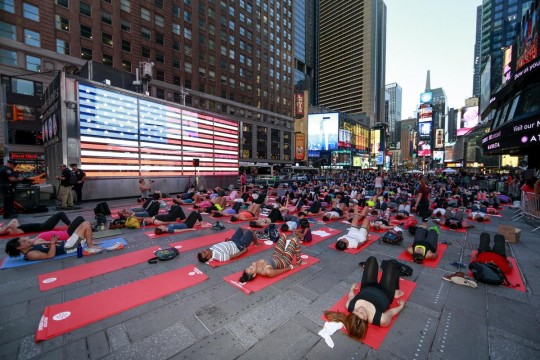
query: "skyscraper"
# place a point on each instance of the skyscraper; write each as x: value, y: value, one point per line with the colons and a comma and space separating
x: 499, y: 19
x: 477, y: 43
x: 394, y: 110
x: 352, y: 56
x: 305, y: 28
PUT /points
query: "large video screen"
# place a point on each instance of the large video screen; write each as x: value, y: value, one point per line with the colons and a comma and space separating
x: 424, y: 129
x: 122, y: 135
x: 424, y: 149
x: 342, y: 157
x: 527, y: 38
x: 323, y: 131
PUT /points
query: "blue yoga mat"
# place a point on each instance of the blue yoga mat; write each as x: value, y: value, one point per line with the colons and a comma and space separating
x: 10, y: 262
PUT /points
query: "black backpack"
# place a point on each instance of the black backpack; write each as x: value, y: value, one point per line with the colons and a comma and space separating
x: 273, y: 233
x: 102, y: 208
x: 392, y: 237
x: 404, y: 269
x: 164, y: 255
x: 72, y: 178
x: 488, y: 273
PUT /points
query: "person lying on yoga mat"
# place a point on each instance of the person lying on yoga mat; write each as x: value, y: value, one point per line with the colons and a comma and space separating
x: 496, y: 254
x: 335, y: 213
x: 282, y: 260
x: 382, y: 221
x: 424, y: 245
x: 251, y: 212
x: 14, y: 227
x: 292, y: 222
x: 175, y: 213
x: 371, y: 305
x: 478, y: 216
x: 193, y: 219
x: 356, y: 236
x: 235, y: 209
x: 53, y: 243
x: 230, y: 248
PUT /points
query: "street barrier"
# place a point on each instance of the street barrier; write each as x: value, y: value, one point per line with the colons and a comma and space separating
x: 529, y: 208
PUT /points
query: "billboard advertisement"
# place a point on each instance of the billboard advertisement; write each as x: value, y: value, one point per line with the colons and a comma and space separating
x: 341, y: 157
x: 425, y: 114
x: 323, y: 131
x: 485, y: 83
x: 449, y: 153
x: 299, y: 105
x: 375, y: 145
x: 507, y: 65
x: 438, y: 156
x: 425, y: 98
x: 527, y: 37
x: 361, y: 161
x: 424, y: 129
x: 299, y: 146
x: 424, y: 149
x: 344, y: 138
x: 469, y: 119
x: 439, y: 138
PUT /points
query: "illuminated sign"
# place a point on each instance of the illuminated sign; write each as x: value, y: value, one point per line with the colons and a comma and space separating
x: 125, y: 136
x: 299, y: 105
x: 439, y: 138
x: 299, y: 146
x: 514, y: 135
x: 341, y: 157
x: 424, y: 129
x: 323, y: 131
x: 426, y: 97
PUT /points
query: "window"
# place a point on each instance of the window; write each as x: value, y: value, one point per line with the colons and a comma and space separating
x: 106, y: 17
x: 33, y: 63
x: 187, y: 67
x: 176, y: 29
x: 176, y: 63
x: 145, y: 34
x: 7, y: 31
x: 63, y: 3
x: 31, y: 38
x: 106, y: 39
x: 159, y: 20
x: 107, y: 59
x: 86, y: 9
x: 145, y: 14
x: 30, y: 12
x: 159, y: 38
x: 125, y: 5
x: 62, y: 47
x: 126, y: 46
x: 176, y: 45
x: 187, y: 50
x: 8, y: 57
x: 176, y: 10
x: 187, y: 34
x: 126, y: 65
x: 145, y: 52
x: 24, y: 87
x: 61, y: 23
x: 187, y: 16
x: 86, y: 31
x: 160, y: 93
x: 160, y: 75
x: 176, y: 80
x: 86, y: 54
x: 8, y: 6
x: 159, y: 4
x: 125, y: 25
x: 160, y: 58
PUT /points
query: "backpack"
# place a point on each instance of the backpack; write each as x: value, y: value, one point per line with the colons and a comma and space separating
x: 273, y: 233
x: 404, y: 269
x: 392, y: 237
x: 132, y: 223
x: 488, y: 273
x: 102, y: 208
x: 164, y: 255
x: 72, y: 178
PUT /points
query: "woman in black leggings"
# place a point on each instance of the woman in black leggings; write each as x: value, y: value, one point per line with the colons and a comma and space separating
x: 13, y: 227
x: 175, y: 213
x: 372, y: 304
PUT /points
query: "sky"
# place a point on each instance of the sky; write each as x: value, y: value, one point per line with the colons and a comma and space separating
x: 435, y: 35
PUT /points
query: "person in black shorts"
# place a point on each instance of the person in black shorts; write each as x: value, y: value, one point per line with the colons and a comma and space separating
x: 14, y: 227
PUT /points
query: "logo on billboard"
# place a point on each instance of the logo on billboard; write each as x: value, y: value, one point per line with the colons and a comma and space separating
x: 299, y: 105
x: 426, y: 97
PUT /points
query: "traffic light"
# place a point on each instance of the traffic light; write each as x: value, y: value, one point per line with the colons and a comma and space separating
x: 16, y: 114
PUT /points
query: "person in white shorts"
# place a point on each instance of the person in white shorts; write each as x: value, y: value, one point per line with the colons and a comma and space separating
x: 356, y: 236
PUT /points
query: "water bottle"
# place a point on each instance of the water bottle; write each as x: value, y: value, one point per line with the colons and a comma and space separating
x: 143, y: 224
x: 79, y: 250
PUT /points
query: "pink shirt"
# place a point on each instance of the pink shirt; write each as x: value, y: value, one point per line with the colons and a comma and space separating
x: 47, y: 235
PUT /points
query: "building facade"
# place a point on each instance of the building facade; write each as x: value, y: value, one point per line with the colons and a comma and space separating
x: 477, y: 50
x: 394, y: 111
x: 305, y: 40
x: 352, y: 57
x: 231, y: 58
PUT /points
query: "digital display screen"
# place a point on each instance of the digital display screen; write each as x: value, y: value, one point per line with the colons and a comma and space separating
x: 469, y: 118
x: 424, y: 149
x: 125, y: 136
x: 424, y: 129
x: 342, y: 157
x: 527, y: 38
x: 323, y: 131
x: 438, y: 156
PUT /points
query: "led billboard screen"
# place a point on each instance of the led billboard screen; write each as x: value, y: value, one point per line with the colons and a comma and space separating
x: 323, y: 131
x: 424, y: 149
x: 424, y: 129
x: 469, y: 119
x: 527, y: 37
x: 123, y: 135
x: 342, y: 157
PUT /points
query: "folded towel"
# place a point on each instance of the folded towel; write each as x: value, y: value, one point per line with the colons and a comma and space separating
x: 328, y: 329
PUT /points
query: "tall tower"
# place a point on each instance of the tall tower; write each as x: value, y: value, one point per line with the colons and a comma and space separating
x: 477, y: 43
x: 305, y: 45
x: 394, y: 111
x: 352, y: 57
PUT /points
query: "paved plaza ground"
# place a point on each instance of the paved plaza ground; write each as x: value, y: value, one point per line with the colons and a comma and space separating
x: 214, y: 320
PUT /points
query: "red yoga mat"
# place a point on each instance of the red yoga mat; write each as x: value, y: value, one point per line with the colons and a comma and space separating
x: 261, y: 282
x: 202, y: 241
x: 433, y: 263
x: 514, y: 277
x: 152, y: 234
x: 70, y: 275
x: 321, y: 234
x: 252, y: 250
x: 11, y: 236
x: 61, y: 318
x: 370, y: 240
x: 376, y: 334
x: 444, y: 227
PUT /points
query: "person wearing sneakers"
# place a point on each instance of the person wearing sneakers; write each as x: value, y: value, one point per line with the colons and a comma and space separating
x: 53, y: 243
x: 424, y: 245
x: 230, y: 248
x: 14, y: 227
x: 356, y: 236
x: 193, y: 218
x: 285, y: 251
x: 371, y: 305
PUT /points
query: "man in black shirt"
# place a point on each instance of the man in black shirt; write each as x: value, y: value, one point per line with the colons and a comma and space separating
x: 64, y: 193
x: 8, y: 181
x: 81, y: 175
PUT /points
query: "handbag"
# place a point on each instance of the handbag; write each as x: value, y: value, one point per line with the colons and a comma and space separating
x: 164, y: 255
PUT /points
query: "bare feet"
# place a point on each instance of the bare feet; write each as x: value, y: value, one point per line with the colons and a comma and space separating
x: 398, y: 294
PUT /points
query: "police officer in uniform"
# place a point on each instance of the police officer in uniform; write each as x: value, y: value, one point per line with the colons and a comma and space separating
x: 8, y: 182
x: 81, y: 175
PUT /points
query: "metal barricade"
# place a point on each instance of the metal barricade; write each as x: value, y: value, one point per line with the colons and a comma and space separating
x: 529, y: 208
x: 514, y: 190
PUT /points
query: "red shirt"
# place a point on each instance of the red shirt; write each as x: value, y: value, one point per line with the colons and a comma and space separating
x: 424, y: 190
x: 47, y: 235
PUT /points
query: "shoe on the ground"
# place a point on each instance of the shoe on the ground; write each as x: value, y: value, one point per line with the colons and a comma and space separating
x: 397, y: 228
x: 116, y: 246
x: 461, y: 280
x: 448, y: 277
x: 92, y: 251
x: 72, y: 243
x: 217, y: 226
